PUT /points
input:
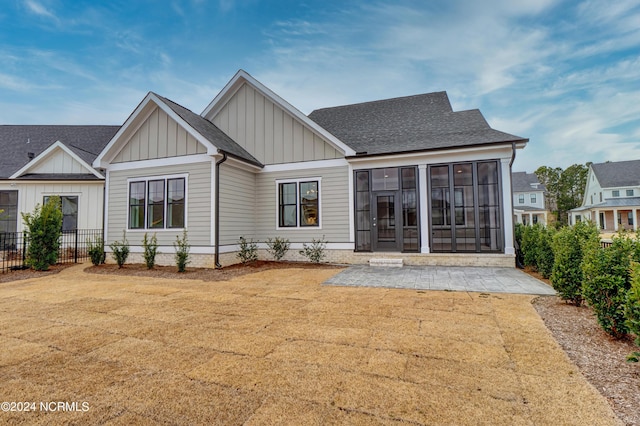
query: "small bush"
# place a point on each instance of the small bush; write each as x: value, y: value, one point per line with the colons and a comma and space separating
x: 277, y: 247
x: 632, y: 308
x: 96, y: 251
x: 150, y: 246
x: 44, y: 227
x: 120, y: 250
x: 182, y: 251
x: 248, y: 251
x: 545, y: 256
x: 519, y: 230
x: 530, y: 238
x: 314, y: 251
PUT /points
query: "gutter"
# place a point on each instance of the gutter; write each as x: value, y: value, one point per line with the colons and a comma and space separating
x: 217, y: 210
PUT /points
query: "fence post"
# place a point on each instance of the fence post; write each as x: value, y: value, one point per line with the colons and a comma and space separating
x: 24, y: 247
x: 75, y: 252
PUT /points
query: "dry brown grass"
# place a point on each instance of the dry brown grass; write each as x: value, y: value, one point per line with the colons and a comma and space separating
x: 276, y: 347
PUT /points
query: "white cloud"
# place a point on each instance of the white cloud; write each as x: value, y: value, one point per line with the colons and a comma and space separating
x: 38, y: 9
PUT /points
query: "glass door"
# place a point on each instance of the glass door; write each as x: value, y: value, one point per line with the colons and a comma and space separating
x: 384, y: 222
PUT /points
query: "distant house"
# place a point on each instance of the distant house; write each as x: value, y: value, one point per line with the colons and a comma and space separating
x: 37, y: 162
x: 528, y: 199
x: 398, y: 178
x: 611, y: 197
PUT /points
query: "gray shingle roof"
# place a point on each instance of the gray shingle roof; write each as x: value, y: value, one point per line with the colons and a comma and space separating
x: 17, y: 141
x: 620, y: 173
x: 210, y: 131
x: 412, y: 123
x: 521, y: 182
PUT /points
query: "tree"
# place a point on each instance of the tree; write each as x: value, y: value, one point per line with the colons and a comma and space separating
x: 44, y: 226
x: 564, y: 189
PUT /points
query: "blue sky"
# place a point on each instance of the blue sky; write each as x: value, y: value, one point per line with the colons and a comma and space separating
x: 565, y: 74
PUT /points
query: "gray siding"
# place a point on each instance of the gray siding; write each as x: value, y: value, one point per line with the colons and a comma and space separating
x: 159, y: 137
x: 334, y: 209
x: 198, y: 204
x: 268, y: 132
x: 237, y: 204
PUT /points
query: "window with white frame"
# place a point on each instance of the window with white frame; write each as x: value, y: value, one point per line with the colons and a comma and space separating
x: 615, y: 193
x: 157, y: 202
x: 298, y: 203
x: 69, y: 207
x: 521, y: 199
x: 629, y: 192
x: 533, y: 198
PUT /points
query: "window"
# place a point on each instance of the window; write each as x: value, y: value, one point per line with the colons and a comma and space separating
x: 630, y: 218
x: 521, y: 198
x: 157, y: 203
x: 600, y: 196
x: 578, y: 218
x: 629, y: 192
x: 535, y: 219
x: 615, y: 193
x: 69, y: 211
x: 533, y: 198
x: 9, y: 208
x: 298, y: 203
x: 592, y: 199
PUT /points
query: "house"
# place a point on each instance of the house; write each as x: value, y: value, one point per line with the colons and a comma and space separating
x: 37, y: 162
x: 401, y: 178
x: 528, y: 199
x: 611, y: 197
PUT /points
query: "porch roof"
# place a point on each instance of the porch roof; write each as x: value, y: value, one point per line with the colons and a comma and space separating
x: 612, y: 203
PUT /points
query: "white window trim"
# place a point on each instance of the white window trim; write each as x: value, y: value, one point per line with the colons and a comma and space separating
x: 146, y: 180
x: 297, y: 182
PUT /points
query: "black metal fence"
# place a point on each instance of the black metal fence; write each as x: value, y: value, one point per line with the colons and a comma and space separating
x: 74, y: 247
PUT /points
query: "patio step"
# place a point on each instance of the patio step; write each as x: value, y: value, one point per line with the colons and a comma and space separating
x: 386, y: 263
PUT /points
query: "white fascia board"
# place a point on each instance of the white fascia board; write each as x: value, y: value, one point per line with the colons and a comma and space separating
x: 242, y: 77
x: 160, y: 162
x: 305, y: 165
x: 136, y: 119
x: 44, y: 154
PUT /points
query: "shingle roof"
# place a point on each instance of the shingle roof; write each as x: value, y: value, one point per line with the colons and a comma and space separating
x: 411, y: 123
x: 620, y: 173
x: 16, y: 141
x: 521, y: 182
x: 210, y: 131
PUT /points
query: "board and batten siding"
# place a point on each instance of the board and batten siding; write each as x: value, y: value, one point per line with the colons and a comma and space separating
x: 198, y: 215
x: 334, y: 208
x: 58, y: 163
x: 271, y: 134
x: 159, y: 136
x: 237, y: 204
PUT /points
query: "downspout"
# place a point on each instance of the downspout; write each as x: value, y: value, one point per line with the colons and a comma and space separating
x: 513, y: 222
x: 217, y: 210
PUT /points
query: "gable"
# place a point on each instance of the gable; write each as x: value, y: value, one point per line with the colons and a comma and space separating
x: 59, y: 162
x: 268, y: 131
x: 158, y: 136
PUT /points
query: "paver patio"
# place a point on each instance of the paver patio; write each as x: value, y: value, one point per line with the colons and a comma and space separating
x: 279, y: 347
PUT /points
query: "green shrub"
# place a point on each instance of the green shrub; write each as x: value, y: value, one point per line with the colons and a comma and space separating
x: 519, y: 230
x: 96, y: 251
x: 120, y: 250
x: 314, y: 251
x: 632, y: 308
x: 44, y: 227
x: 545, y: 256
x: 248, y: 250
x: 568, y: 250
x: 277, y: 247
x: 182, y: 251
x: 607, y: 280
x: 150, y: 246
x: 530, y: 237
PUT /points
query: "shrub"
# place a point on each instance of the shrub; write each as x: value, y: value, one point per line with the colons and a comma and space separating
x: 567, y: 274
x: 120, y: 250
x: 545, y: 256
x: 248, y: 251
x: 530, y: 237
x: 44, y: 227
x: 277, y: 247
x: 607, y: 280
x: 182, y: 251
x: 150, y: 246
x: 632, y: 308
x: 314, y: 251
x: 519, y: 230
x: 96, y: 251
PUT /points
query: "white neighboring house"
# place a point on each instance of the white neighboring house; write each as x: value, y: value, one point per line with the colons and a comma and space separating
x: 528, y: 199
x: 38, y: 161
x: 611, y: 197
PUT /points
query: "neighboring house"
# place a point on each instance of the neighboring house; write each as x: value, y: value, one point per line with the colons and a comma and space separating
x: 528, y: 199
x: 37, y: 162
x: 405, y: 177
x: 611, y: 196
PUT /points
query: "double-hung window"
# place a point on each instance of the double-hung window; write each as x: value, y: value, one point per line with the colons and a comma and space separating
x: 298, y: 203
x: 157, y: 203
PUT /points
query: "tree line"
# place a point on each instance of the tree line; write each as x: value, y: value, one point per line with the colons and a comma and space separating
x: 564, y: 189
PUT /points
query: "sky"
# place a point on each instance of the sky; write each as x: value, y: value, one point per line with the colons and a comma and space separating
x: 565, y: 74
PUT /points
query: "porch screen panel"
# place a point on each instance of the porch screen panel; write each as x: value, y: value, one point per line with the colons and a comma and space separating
x: 440, y: 208
x: 363, y: 212
x: 409, y: 210
x: 464, y: 207
x: 490, y: 226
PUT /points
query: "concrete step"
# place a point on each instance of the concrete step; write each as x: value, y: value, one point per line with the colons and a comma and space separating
x: 386, y: 263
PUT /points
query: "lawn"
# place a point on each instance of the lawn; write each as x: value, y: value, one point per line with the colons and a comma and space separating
x: 278, y: 347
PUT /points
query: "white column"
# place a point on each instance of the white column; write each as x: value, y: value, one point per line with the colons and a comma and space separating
x: 598, y: 224
x: 507, y: 209
x: 635, y: 220
x: 530, y: 218
x: 615, y: 220
x: 423, y: 195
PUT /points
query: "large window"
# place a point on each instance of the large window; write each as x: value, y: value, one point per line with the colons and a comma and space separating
x: 299, y: 203
x: 69, y: 205
x: 157, y: 203
x: 9, y: 211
